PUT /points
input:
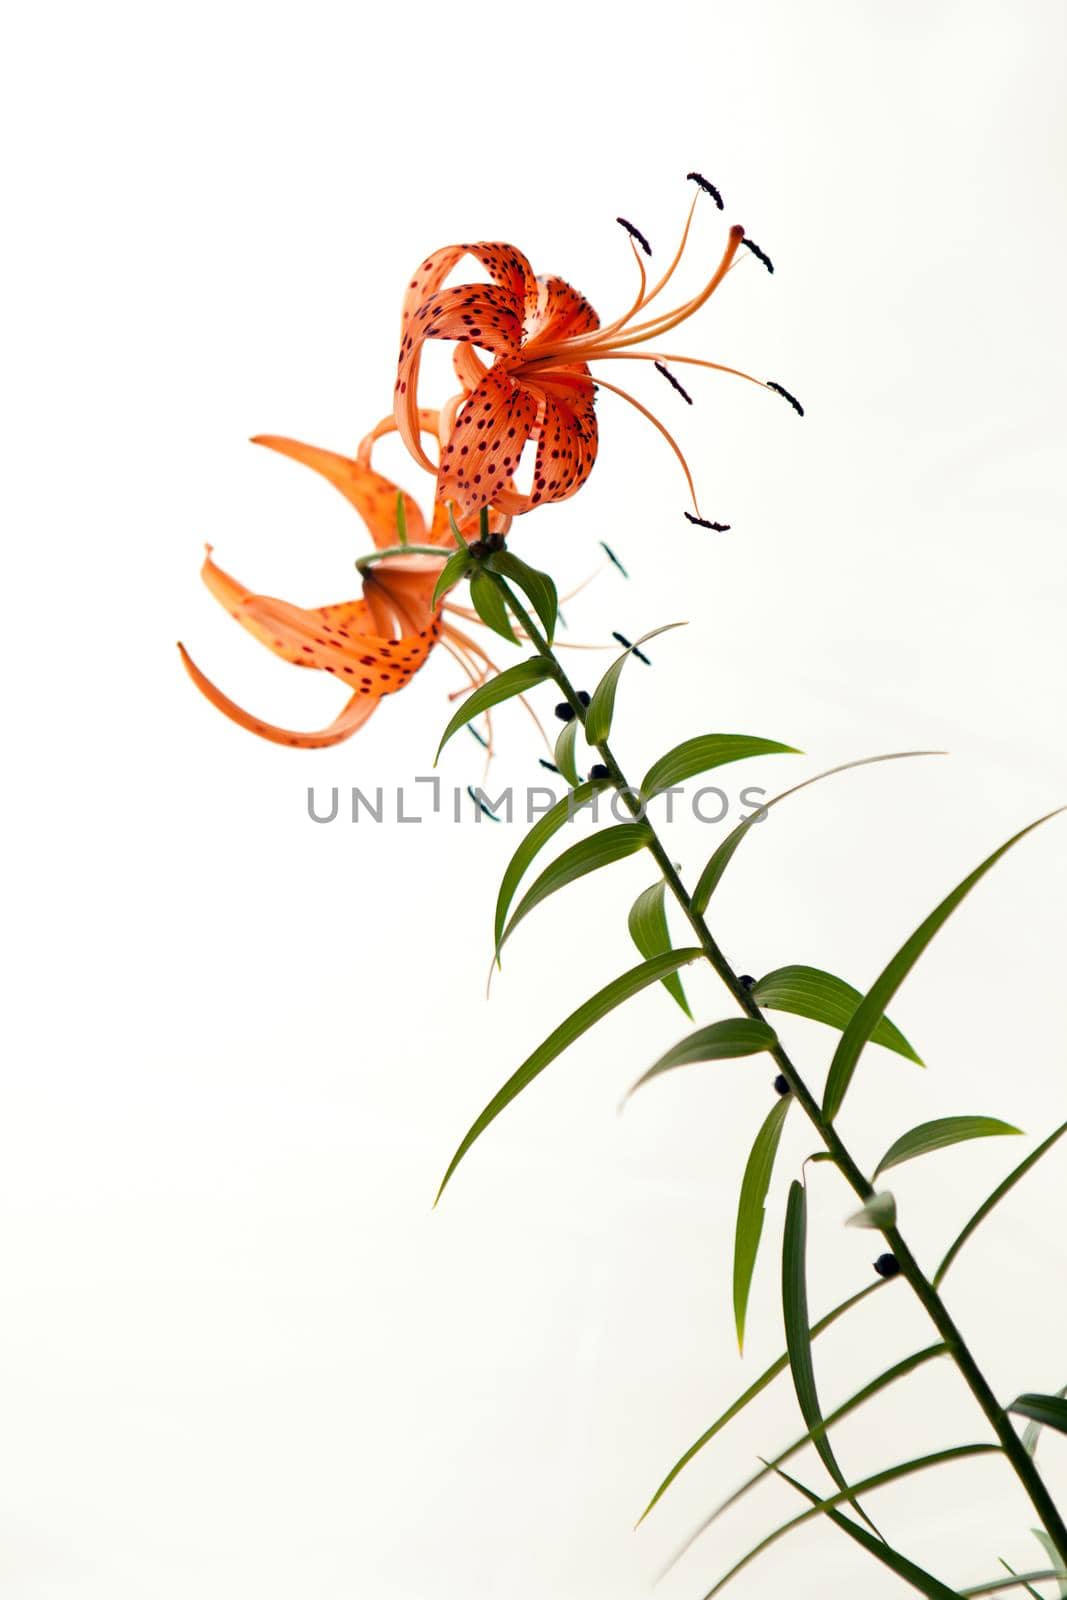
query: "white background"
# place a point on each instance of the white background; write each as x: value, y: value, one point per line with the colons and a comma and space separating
x: 239, y: 1356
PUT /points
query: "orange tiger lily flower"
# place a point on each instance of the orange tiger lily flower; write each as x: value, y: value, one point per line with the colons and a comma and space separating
x: 545, y: 338
x: 374, y: 645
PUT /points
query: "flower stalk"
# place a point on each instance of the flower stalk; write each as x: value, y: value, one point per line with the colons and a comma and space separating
x: 1010, y: 1442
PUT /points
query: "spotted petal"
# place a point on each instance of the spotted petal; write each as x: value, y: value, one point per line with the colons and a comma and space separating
x: 481, y: 456
x: 566, y: 433
x: 351, y: 618
x: 354, y: 715
x: 483, y: 314
x: 562, y: 313
x: 376, y: 643
x: 373, y: 496
x: 505, y: 265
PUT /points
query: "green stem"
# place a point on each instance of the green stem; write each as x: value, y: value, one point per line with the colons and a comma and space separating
x: 1010, y: 1442
x: 398, y: 550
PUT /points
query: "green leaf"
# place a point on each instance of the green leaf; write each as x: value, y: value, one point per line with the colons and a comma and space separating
x: 872, y: 1007
x: 888, y: 1475
x: 707, y: 750
x: 810, y: 992
x: 488, y: 600
x: 588, y: 855
x: 1053, y: 1554
x: 751, y: 1206
x: 918, y: 1577
x: 1019, y: 1580
x: 708, y: 881
x: 900, y: 1369
x: 765, y: 1378
x: 565, y: 753
x: 602, y: 706
x: 579, y: 1022
x: 456, y: 567
x: 937, y: 1135
x: 879, y: 1212
x: 719, y: 1041
x: 534, y: 842
x: 994, y: 1200
x: 797, y: 1334
x: 536, y: 586
x: 1032, y: 1431
x: 1050, y: 1410
x: 651, y: 935
x: 512, y: 681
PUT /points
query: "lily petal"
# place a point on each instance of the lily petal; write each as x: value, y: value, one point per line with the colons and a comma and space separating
x: 487, y: 441
x: 373, y: 496
x: 359, y: 708
x: 483, y: 314
x: 566, y: 435
x: 406, y: 585
x: 561, y: 313
x: 354, y: 640
x: 469, y: 367
x: 351, y: 617
x: 505, y: 265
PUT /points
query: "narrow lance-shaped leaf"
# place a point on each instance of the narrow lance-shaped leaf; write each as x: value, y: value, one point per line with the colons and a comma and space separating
x: 754, y: 1389
x: 579, y: 1022
x: 995, y: 1198
x: 701, y: 754
x: 1053, y: 1554
x: 872, y: 1006
x: 797, y: 1330
x: 1032, y: 1431
x: 751, y: 1207
x: 708, y: 881
x: 455, y: 568
x: 876, y: 1480
x: 719, y: 1041
x: 938, y: 1135
x: 904, y: 1568
x: 1021, y: 1580
x: 512, y: 681
x: 488, y: 600
x: 533, y: 843
x: 537, y: 586
x: 588, y: 855
x: 1050, y: 1410
x: 1018, y: 1580
x: 650, y: 933
x: 601, y: 707
x: 810, y: 992
x: 884, y: 1380
x: 565, y: 753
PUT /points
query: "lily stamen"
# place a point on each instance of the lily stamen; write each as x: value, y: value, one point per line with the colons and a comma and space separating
x: 660, y: 428
x: 635, y: 233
